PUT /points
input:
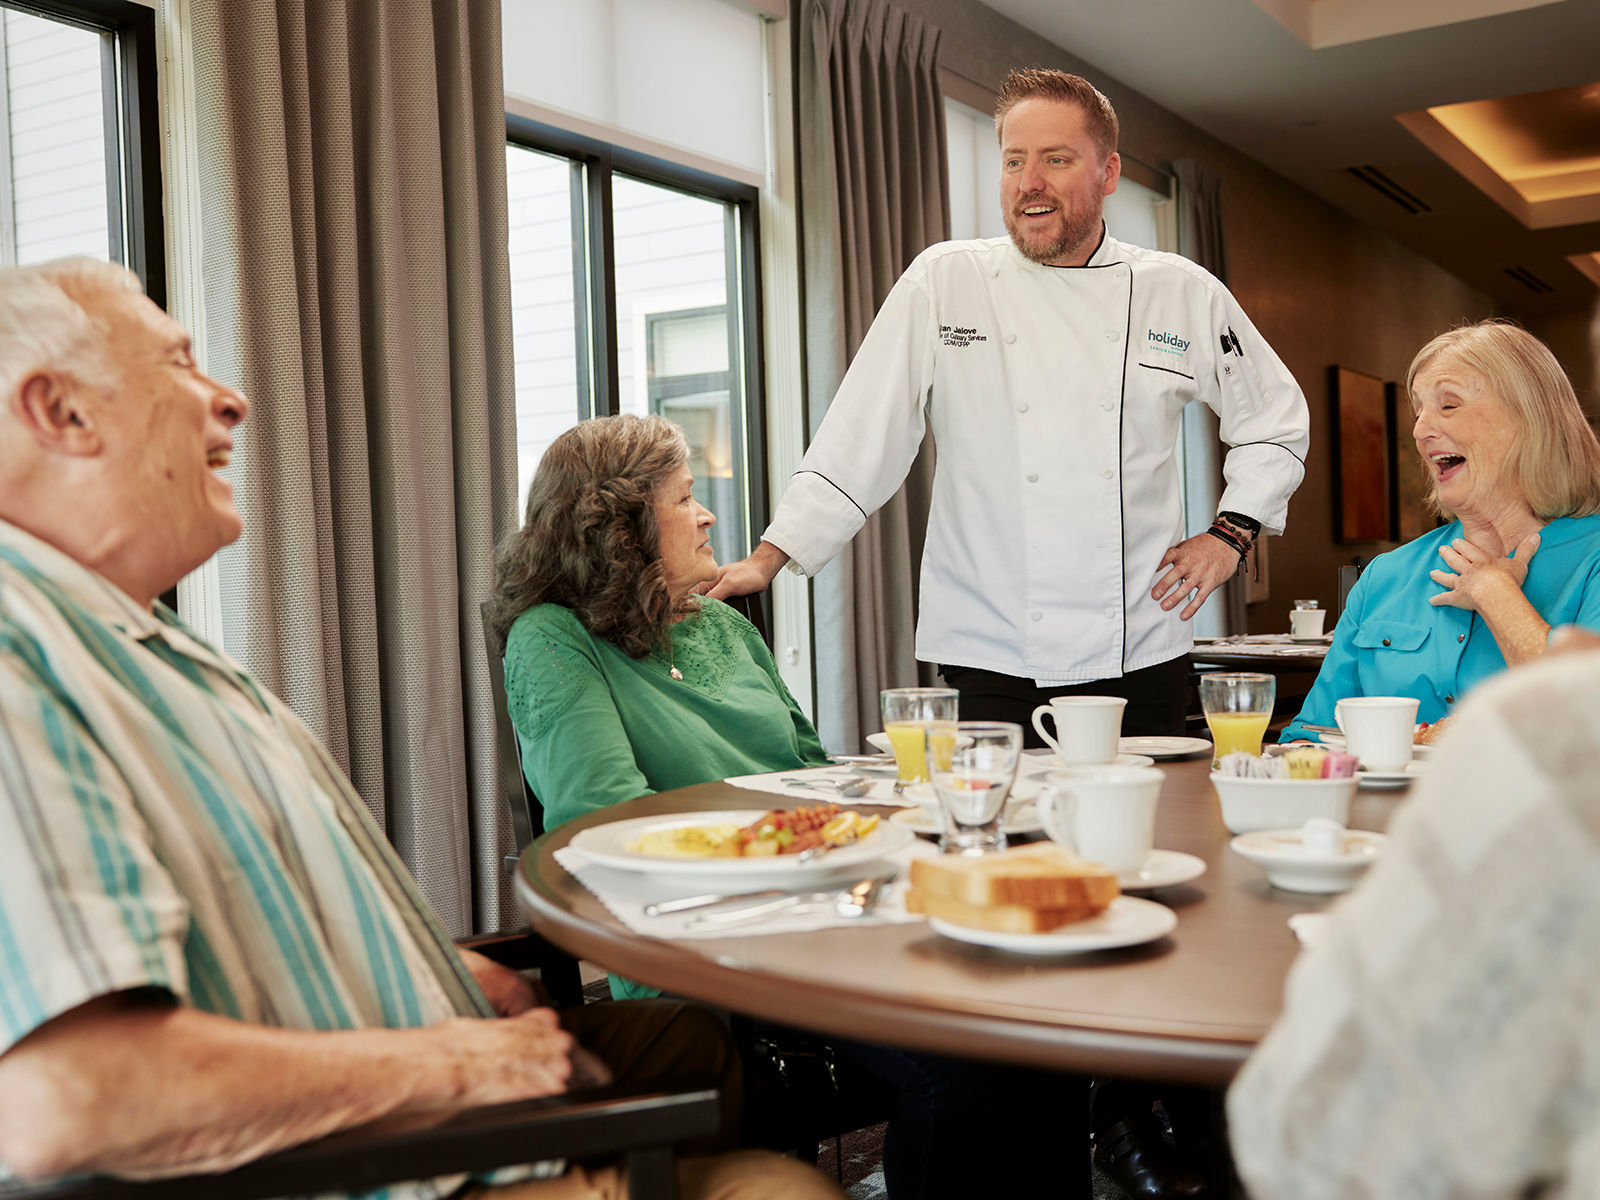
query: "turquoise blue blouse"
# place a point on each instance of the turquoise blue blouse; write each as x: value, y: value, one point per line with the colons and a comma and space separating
x: 1391, y: 642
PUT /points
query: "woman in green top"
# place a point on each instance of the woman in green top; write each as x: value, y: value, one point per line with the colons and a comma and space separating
x: 620, y: 679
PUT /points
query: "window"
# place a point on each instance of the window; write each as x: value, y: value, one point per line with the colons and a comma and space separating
x: 632, y: 292
x: 79, y: 165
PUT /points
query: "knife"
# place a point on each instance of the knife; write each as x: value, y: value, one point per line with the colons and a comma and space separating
x: 661, y: 908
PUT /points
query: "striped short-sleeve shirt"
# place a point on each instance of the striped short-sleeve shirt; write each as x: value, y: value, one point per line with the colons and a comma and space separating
x: 165, y: 822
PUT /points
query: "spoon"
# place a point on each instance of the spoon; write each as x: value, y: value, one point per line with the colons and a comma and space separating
x: 858, y: 786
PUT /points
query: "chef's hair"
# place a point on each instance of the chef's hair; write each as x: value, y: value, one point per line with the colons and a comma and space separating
x: 589, y: 539
x: 1030, y: 83
x: 43, y: 324
x: 1554, y: 457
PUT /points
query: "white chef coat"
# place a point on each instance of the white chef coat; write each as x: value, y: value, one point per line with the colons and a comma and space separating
x: 1055, y: 397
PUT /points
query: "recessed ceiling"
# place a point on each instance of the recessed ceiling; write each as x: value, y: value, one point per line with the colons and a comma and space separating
x: 1311, y: 115
x: 1320, y: 23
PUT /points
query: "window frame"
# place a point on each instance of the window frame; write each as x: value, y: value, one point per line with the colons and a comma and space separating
x: 595, y: 163
x: 133, y: 130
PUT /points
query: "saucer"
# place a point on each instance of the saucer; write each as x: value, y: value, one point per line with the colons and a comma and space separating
x: 1336, y: 741
x: 1164, y: 868
x: 1383, y: 780
x: 1164, y: 747
x: 1293, y: 868
x: 1044, y: 763
x: 1019, y: 819
x: 1321, y: 637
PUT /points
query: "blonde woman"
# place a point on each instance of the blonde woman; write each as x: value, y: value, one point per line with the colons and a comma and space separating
x: 1516, y: 466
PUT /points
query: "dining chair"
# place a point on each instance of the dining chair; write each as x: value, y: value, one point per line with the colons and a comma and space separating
x: 558, y: 970
x: 642, y: 1127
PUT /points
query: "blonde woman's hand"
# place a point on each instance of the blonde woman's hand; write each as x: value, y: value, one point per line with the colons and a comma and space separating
x: 1476, y: 577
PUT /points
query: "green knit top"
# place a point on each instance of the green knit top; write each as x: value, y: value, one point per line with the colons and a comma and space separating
x: 597, y: 727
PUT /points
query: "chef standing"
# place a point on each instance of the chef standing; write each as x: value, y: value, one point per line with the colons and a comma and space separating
x: 1053, y: 367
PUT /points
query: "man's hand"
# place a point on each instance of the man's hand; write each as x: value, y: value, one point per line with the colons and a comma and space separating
x: 1479, y: 576
x: 508, y: 992
x: 748, y: 575
x: 1200, y: 565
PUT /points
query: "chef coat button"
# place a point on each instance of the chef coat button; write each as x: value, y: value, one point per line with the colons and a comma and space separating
x: 1106, y: 474
x: 1107, y: 405
x: 1385, y: 641
x: 1113, y: 334
x: 1449, y: 699
x: 1010, y: 337
x: 1111, y: 613
x: 1036, y: 615
x: 1461, y: 637
x: 1032, y: 478
x: 1022, y: 408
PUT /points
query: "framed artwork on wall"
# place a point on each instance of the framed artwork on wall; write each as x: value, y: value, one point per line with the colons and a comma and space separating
x: 1409, y: 485
x: 1361, y: 449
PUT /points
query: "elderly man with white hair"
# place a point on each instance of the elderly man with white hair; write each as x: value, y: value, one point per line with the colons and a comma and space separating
x: 210, y: 952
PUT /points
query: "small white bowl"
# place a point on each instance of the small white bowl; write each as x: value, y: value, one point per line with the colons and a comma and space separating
x: 1249, y: 805
x: 1294, y: 867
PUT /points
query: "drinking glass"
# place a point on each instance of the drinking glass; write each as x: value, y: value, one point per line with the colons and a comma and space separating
x: 906, y: 714
x: 973, y: 766
x: 1238, y: 707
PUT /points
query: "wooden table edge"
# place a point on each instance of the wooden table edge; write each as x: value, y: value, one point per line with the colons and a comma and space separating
x: 1207, y: 1057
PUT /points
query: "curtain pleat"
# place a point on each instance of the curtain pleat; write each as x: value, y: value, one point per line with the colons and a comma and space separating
x: 874, y: 193
x: 353, y: 217
x: 1199, y: 201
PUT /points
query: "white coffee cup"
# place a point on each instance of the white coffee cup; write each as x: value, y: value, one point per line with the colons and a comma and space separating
x: 1087, y: 727
x: 1105, y: 814
x: 1306, y: 622
x: 1378, y: 730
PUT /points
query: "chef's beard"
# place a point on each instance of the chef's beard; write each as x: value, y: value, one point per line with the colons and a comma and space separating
x: 1080, y: 230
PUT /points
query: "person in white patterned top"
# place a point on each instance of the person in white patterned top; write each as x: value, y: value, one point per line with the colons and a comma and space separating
x: 1443, y: 1038
x: 208, y: 951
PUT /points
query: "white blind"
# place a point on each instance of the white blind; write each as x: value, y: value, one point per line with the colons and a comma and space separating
x: 56, y: 128
x: 685, y: 73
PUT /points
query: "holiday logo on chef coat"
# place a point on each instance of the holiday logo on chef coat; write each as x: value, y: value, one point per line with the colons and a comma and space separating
x: 1163, y: 342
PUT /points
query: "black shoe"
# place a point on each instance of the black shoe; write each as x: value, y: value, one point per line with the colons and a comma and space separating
x: 1138, y: 1159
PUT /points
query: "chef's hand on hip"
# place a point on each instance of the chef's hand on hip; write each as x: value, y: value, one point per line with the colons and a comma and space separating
x: 1199, y: 565
x: 748, y: 575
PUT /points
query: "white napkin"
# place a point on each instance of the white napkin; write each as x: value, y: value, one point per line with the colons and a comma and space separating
x: 625, y: 893
x: 882, y: 791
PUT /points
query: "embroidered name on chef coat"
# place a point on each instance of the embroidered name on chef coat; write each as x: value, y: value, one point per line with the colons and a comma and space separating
x: 960, y: 335
x: 1166, y: 343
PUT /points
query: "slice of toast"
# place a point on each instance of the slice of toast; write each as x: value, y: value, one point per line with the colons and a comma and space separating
x: 1038, y: 876
x: 1002, y: 918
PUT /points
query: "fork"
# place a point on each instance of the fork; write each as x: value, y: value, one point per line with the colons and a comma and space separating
x: 855, y: 901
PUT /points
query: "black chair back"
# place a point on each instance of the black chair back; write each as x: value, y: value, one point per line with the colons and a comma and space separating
x: 558, y: 970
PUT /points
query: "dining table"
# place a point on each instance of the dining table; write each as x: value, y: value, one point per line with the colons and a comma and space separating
x: 1187, y: 1008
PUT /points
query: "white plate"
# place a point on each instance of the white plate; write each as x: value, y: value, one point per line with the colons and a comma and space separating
x: 1324, y: 638
x: 1392, y: 779
x: 1293, y: 868
x: 1042, y: 764
x: 1164, y: 868
x: 1129, y: 921
x: 1164, y: 747
x: 880, y: 741
x: 1020, y: 819
x: 1336, y: 741
x: 608, y: 845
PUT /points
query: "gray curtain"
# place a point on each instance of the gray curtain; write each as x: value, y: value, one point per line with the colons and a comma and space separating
x: 875, y: 191
x: 356, y: 286
x: 1199, y: 200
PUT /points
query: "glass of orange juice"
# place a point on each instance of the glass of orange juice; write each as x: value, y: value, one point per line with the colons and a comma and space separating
x: 1238, y: 708
x: 907, y: 712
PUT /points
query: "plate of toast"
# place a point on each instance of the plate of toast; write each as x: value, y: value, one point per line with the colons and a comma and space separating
x: 1037, y: 899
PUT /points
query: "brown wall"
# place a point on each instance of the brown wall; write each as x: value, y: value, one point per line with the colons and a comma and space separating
x: 1321, y: 287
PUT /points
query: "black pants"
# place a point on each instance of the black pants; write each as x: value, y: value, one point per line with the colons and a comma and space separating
x: 1157, y: 698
